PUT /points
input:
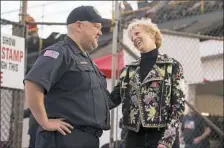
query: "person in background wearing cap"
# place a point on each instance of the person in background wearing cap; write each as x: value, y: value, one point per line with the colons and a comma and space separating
x: 65, y: 91
x: 151, y: 90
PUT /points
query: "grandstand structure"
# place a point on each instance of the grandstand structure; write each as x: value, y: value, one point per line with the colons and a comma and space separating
x: 186, y: 16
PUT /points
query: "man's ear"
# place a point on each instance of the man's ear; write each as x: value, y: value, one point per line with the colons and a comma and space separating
x: 78, y: 23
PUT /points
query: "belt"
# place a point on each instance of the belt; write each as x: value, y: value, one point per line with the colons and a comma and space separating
x: 87, y: 129
x: 91, y: 130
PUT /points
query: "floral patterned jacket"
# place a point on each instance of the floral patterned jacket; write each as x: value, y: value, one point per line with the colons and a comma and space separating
x: 156, y: 102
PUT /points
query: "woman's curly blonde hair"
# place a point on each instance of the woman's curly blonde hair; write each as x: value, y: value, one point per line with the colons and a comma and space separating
x: 151, y: 28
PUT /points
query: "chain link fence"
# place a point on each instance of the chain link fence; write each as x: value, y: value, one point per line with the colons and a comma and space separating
x: 12, y: 100
x: 193, y: 35
x: 11, y: 118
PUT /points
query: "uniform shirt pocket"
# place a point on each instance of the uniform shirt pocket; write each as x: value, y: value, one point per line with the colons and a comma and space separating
x: 78, y: 77
x: 84, y: 67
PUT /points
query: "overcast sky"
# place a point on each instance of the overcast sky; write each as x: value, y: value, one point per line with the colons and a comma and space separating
x: 51, y: 11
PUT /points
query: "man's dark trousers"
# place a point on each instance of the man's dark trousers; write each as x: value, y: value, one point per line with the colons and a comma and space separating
x: 76, y: 139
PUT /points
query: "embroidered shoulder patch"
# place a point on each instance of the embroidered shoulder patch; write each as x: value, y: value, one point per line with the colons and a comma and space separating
x: 51, y: 53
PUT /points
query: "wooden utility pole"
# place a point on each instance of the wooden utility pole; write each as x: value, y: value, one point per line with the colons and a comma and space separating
x: 16, y: 122
x: 24, y: 11
x: 24, y: 33
x: 19, y: 30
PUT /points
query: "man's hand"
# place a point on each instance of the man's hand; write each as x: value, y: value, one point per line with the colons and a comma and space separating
x: 161, y: 146
x: 57, y: 125
x: 197, y: 140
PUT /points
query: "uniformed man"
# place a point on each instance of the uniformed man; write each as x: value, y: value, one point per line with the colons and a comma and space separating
x: 65, y: 90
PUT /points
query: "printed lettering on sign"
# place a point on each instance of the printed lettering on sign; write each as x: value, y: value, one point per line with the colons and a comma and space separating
x: 12, y: 61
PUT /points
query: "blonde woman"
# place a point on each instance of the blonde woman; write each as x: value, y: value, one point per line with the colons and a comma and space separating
x: 151, y: 90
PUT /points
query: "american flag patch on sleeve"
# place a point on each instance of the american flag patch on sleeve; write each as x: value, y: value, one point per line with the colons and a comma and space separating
x: 51, y: 53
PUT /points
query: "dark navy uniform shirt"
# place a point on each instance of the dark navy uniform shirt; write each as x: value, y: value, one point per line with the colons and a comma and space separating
x: 74, y: 87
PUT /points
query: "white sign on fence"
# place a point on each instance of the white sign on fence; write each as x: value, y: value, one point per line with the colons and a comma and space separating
x: 12, y: 61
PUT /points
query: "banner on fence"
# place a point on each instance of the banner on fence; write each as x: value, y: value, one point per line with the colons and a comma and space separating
x: 12, y: 61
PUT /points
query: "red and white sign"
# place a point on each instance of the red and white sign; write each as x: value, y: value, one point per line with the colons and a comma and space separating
x: 12, y: 61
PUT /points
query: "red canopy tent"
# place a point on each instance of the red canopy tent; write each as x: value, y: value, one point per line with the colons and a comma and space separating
x: 105, y: 64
